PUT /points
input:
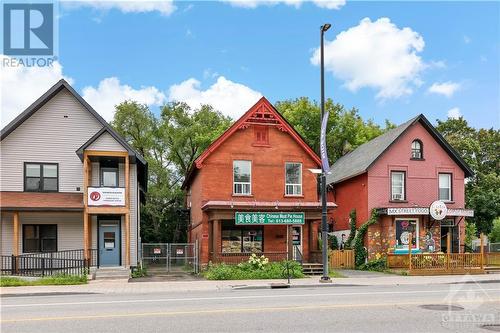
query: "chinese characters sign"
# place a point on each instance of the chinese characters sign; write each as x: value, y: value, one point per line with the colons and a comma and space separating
x: 269, y: 218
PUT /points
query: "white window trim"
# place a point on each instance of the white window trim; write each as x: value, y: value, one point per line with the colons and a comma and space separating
x: 417, y: 229
x: 290, y: 184
x: 403, y: 194
x: 450, y: 177
x: 243, y: 183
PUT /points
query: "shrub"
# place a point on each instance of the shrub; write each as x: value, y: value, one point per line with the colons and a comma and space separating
x: 334, y: 242
x: 359, y: 249
x: 378, y: 265
x: 139, y: 271
x: 247, y: 271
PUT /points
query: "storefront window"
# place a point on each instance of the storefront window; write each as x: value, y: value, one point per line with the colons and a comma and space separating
x: 241, y: 239
x: 403, y: 229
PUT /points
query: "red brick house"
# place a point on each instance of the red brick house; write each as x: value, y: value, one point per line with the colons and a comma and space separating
x: 251, y: 191
x: 400, y: 174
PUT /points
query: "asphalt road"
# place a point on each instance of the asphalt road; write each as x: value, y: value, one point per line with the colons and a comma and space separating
x: 326, y: 309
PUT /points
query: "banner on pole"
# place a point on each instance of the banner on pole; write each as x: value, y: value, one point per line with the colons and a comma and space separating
x: 324, y: 152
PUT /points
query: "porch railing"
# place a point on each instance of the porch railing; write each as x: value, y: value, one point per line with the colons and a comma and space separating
x: 70, y: 262
x: 236, y: 258
x: 438, y: 263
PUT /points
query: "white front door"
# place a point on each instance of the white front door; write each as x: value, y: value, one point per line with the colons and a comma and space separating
x: 296, y: 240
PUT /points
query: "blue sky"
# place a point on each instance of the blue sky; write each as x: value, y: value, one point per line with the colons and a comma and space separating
x: 211, y: 51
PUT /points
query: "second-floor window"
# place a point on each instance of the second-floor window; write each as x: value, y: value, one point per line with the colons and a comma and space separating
x: 41, y: 177
x: 397, y: 185
x: 293, y: 178
x: 416, y: 150
x: 109, y: 177
x: 445, y: 186
x: 242, y: 177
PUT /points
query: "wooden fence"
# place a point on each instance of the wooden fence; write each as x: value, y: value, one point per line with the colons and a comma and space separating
x: 446, y: 263
x: 492, y: 259
x: 342, y: 259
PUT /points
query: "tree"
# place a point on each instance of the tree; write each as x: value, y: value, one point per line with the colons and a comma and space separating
x: 479, y: 149
x: 346, y: 129
x: 494, y: 236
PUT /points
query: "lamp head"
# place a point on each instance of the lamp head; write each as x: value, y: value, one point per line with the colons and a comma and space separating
x: 325, y: 27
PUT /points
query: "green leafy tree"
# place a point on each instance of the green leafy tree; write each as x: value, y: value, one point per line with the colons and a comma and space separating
x: 479, y: 148
x: 494, y: 236
x: 346, y: 129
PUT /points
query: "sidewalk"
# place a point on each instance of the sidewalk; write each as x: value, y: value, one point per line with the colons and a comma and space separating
x: 122, y: 286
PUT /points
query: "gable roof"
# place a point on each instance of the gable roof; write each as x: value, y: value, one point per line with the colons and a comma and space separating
x: 54, y: 90
x: 362, y: 158
x: 262, y: 112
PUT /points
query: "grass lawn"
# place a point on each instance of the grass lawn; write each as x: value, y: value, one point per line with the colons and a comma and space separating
x: 45, y: 281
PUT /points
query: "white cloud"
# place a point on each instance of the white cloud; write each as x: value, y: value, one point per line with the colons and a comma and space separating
x: 446, y: 88
x: 110, y: 93
x: 454, y: 113
x: 467, y: 39
x: 378, y: 55
x: 230, y: 98
x: 327, y: 4
x: 165, y: 7
x: 21, y: 86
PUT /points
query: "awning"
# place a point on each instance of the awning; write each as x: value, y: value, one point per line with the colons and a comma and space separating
x: 288, y: 205
x: 36, y: 201
x: 424, y: 211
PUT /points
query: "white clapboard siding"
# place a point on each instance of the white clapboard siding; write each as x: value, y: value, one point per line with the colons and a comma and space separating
x: 47, y: 136
x: 106, y: 142
x: 7, y: 233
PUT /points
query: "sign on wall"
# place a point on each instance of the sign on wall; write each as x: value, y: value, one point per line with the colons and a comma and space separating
x: 106, y: 196
x: 438, y: 210
x: 269, y: 218
x: 408, y: 211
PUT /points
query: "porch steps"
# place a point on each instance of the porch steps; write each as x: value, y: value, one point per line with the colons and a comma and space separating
x: 492, y: 270
x: 310, y: 268
x: 112, y: 273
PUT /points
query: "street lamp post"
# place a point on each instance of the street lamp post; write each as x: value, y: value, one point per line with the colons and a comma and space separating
x: 324, y: 225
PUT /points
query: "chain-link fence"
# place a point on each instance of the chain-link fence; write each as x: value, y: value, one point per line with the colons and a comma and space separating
x: 171, y: 257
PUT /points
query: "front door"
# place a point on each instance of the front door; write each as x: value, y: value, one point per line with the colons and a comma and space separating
x: 297, y: 241
x: 109, y: 243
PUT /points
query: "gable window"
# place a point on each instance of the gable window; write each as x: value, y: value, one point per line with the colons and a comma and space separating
x: 445, y: 186
x: 261, y: 135
x: 242, y: 177
x: 293, y: 178
x: 397, y: 185
x: 109, y: 177
x: 41, y: 177
x: 39, y: 238
x: 416, y: 150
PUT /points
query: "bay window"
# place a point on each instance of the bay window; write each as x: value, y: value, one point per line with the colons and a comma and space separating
x: 397, y: 185
x: 242, y: 177
x: 293, y: 178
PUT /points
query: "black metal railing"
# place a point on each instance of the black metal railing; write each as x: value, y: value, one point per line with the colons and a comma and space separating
x: 70, y: 262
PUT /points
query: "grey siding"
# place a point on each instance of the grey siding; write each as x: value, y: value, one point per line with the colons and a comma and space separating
x: 106, y: 143
x: 47, y: 136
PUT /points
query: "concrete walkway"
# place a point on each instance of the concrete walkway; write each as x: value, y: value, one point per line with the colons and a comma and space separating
x: 122, y: 286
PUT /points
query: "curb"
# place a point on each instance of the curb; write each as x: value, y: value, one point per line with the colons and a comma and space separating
x: 288, y: 286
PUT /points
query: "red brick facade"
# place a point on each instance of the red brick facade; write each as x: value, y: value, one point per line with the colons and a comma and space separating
x: 209, y: 186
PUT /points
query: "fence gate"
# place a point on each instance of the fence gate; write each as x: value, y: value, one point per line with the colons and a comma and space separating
x: 171, y: 257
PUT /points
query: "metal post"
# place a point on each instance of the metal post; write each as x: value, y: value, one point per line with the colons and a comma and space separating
x: 324, y: 225
x: 410, y: 240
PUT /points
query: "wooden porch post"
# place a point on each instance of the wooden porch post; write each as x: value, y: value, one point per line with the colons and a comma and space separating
x: 127, y: 215
x: 85, y: 202
x: 15, y: 247
x: 410, y: 239
x: 482, y: 250
x: 448, y: 249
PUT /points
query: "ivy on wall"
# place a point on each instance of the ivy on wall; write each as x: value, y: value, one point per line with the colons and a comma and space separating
x: 352, y: 224
x: 359, y: 249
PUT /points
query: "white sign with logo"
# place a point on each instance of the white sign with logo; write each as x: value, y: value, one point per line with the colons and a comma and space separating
x: 438, y: 210
x: 106, y: 196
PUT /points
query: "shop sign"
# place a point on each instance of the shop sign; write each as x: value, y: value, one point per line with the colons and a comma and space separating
x: 262, y: 218
x: 106, y: 196
x: 408, y: 211
x: 460, y: 212
x: 438, y: 210
x: 157, y: 250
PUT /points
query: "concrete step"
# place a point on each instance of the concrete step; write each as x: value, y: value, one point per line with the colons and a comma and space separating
x: 492, y: 270
x: 311, y: 268
x: 114, y: 273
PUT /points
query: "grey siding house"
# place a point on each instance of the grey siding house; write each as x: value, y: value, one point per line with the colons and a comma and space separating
x: 68, y: 181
